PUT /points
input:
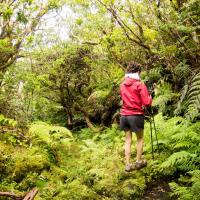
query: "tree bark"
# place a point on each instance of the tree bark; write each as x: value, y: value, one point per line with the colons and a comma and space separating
x: 29, y: 196
x: 86, y: 117
x: 11, y: 195
x: 69, y: 119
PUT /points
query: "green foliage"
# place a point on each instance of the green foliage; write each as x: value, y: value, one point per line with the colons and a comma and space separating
x: 84, y: 169
x: 184, y: 192
x: 182, y: 160
x: 182, y: 70
x: 181, y: 192
x: 179, y: 141
x: 90, y: 166
x: 7, y: 122
x: 77, y: 79
x: 152, y: 75
x: 47, y: 132
x: 19, y: 19
x: 70, y: 192
x: 193, y: 98
x: 190, y: 99
x: 35, y: 162
x: 163, y: 96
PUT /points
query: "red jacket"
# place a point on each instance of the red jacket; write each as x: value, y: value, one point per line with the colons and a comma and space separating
x: 134, y: 95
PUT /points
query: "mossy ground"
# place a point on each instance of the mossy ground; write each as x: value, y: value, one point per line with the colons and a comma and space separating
x: 85, y: 165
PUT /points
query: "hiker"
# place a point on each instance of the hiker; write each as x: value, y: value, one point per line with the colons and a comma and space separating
x: 135, y: 99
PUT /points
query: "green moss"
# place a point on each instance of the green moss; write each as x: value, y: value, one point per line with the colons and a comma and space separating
x: 76, y: 191
x: 26, y: 163
x: 93, y: 168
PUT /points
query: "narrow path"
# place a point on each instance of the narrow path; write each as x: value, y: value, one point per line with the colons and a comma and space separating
x: 158, y: 191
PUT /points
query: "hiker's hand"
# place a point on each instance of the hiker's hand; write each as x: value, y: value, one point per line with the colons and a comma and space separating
x: 147, y: 110
x: 147, y: 113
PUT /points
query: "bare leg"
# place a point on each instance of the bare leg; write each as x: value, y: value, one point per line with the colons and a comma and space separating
x: 139, y: 145
x: 128, y: 146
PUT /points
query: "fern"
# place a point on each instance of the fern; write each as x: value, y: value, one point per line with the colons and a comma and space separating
x: 192, y: 192
x: 184, y: 144
x: 186, y: 138
x: 181, y: 160
x: 163, y: 95
x: 7, y: 122
x: 195, y: 175
x: 182, y: 192
x: 190, y: 99
x: 180, y: 104
x: 179, y: 140
x: 46, y: 133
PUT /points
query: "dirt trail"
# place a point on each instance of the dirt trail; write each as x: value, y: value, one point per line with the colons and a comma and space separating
x: 158, y: 191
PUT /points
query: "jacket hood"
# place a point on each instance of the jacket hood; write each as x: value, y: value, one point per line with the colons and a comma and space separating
x: 129, y: 81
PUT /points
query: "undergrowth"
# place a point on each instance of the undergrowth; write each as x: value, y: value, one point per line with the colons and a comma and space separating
x: 87, y: 165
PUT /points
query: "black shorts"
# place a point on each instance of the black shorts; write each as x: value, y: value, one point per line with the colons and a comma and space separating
x: 133, y: 123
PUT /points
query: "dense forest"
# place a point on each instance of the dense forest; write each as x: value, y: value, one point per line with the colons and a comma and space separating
x: 61, y: 65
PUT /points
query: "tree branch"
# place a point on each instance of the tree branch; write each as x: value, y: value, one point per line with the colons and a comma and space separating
x: 133, y: 18
x: 125, y: 27
x: 11, y: 195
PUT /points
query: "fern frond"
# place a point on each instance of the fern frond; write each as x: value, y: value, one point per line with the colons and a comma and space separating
x: 193, y: 94
x: 183, y: 160
x: 196, y: 83
x: 184, y: 144
x: 195, y: 174
x: 195, y: 189
x: 183, y: 95
x: 196, y: 78
x: 181, y: 192
x: 190, y: 99
x: 188, y: 192
x: 184, y: 92
x: 47, y: 133
x: 186, y: 135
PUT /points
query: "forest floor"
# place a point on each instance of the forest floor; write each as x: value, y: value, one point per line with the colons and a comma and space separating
x: 91, y: 166
x: 158, y: 190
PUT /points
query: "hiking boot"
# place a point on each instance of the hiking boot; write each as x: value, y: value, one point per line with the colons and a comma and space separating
x: 129, y: 168
x: 139, y: 165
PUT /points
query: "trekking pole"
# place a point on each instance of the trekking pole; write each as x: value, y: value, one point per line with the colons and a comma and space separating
x: 151, y: 134
x: 156, y: 134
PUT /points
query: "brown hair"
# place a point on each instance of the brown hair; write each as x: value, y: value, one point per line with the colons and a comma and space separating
x: 133, y: 67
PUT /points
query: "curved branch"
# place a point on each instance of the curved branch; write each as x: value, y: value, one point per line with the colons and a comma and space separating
x: 11, y: 195
x: 125, y: 27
